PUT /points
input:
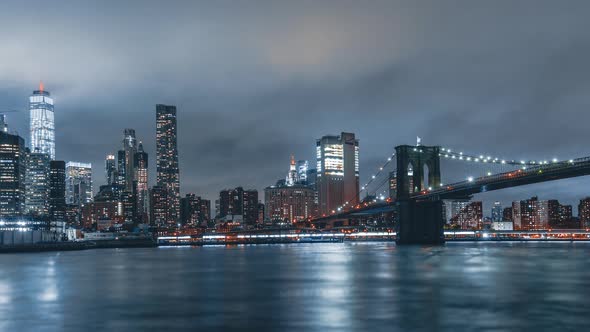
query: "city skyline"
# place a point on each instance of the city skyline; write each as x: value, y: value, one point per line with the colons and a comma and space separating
x: 381, y: 100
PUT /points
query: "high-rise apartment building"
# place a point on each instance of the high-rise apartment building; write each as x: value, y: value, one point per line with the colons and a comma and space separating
x: 337, y: 171
x: 535, y: 214
x: 453, y: 208
x: 168, y: 175
x: 13, y: 174
x: 42, y: 123
x: 78, y: 183
x: 470, y: 216
x: 37, y: 184
x: 584, y: 212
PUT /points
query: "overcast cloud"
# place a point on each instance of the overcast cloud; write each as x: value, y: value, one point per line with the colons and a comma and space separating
x: 257, y: 81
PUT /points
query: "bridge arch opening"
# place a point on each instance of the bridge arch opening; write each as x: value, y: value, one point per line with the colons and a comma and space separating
x: 425, y: 177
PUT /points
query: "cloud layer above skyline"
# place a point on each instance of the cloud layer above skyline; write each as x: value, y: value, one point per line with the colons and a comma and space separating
x: 257, y: 81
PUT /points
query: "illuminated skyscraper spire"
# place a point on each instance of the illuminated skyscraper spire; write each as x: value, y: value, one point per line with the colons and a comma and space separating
x: 42, y: 125
x: 292, y: 175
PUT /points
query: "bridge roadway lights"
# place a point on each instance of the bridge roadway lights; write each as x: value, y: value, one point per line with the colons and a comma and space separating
x: 420, y: 222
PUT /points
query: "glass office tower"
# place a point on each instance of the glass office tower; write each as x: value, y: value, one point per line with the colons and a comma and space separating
x: 42, y: 124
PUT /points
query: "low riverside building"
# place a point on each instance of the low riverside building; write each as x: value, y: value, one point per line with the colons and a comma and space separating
x: 25, y: 232
x: 502, y: 225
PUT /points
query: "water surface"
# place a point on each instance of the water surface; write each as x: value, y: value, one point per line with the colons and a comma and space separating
x: 301, y: 287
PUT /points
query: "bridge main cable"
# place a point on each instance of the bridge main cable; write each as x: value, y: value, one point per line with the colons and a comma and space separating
x: 448, y: 153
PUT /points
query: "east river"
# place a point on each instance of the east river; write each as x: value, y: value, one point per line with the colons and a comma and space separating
x: 301, y: 287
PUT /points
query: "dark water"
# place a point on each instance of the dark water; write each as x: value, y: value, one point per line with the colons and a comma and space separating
x: 301, y: 287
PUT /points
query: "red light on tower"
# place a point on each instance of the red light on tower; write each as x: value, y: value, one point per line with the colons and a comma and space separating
x: 41, y: 86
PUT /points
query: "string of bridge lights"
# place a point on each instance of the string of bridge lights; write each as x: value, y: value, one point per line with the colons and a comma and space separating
x: 374, y: 176
x: 371, y: 179
x: 448, y: 153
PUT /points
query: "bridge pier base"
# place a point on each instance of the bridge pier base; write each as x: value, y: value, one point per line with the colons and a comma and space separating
x: 420, y: 222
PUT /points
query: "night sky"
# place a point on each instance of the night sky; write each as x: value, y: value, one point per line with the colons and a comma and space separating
x: 257, y: 81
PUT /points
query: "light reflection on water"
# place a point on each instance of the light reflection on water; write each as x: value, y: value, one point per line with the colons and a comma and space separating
x: 317, y: 287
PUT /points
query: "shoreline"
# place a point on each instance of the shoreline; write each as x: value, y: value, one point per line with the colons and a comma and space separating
x: 112, y: 244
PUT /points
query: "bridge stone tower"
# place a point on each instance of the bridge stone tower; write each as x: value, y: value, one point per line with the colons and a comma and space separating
x: 417, y: 157
x: 419, y: 221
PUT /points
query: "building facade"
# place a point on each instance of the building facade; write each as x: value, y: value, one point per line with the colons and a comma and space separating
x: 469, y: 217
x: 584, y: 212
x: 158, y: 206
x: 141, y: 179
x: 130, y: 149
x: 535, y: 214
x: 37, y: 184
x: 110, y: 166
x: 13, y: 174
x: 290, y: 204
x: 78, y: 183
x: 337, y: 160
x: 302, y: 171
x: 168, y: 174
x: 42, y: 123
x: 497, y: 212
x: 239, y: 204
x: 507, y: 214
x: 93, y: 212
x: 57, y: 190
x: 194, y: 210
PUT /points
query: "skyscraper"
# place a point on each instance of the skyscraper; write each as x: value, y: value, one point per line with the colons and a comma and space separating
x: 141, y: 179
x: 121, y: 168
x: 111, y: 169
x: 78, y: 183
x: 168, y: 176
x: 130, y: 148
x: 12, y: 174
x: 57, y: 190
x: 37, y: 184
x: 337, y: 171
x: 42, y: 124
